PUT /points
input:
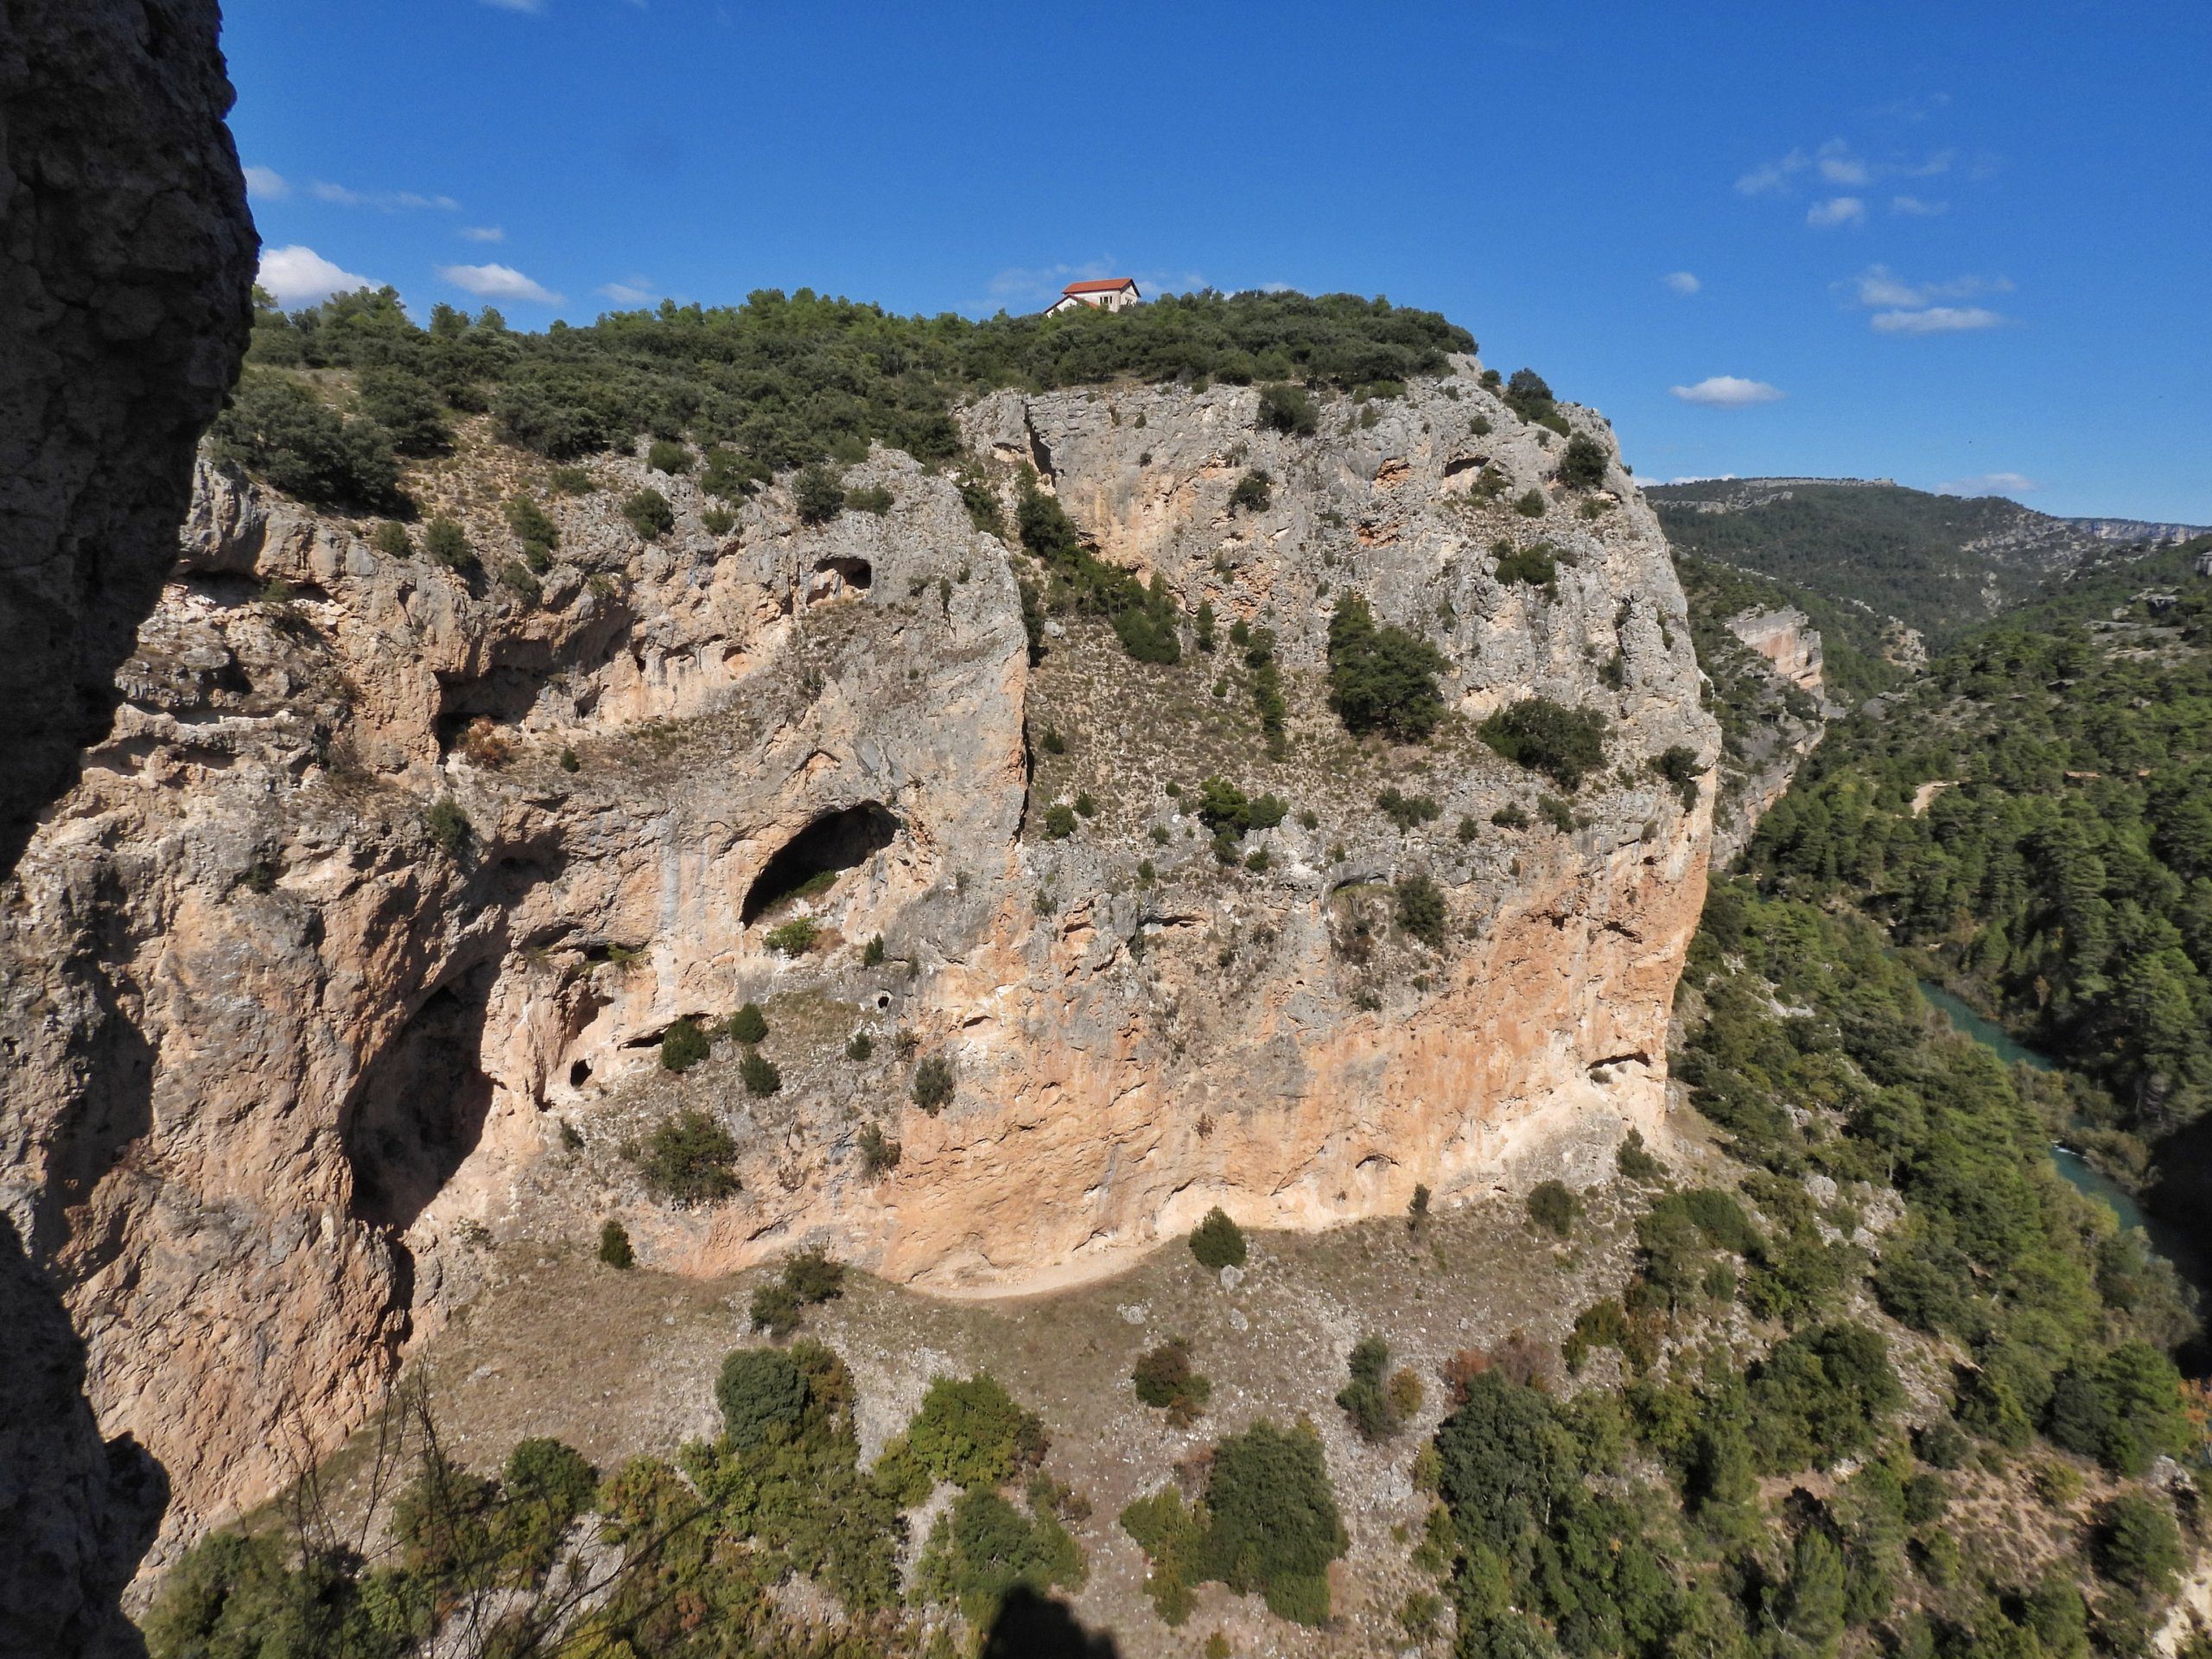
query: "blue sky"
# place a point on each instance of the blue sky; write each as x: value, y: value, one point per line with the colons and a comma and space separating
x: 1963, y: 245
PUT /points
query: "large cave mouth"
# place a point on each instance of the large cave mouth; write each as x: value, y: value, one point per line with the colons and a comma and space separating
x: 812, y: 859
x: 419, y: 1109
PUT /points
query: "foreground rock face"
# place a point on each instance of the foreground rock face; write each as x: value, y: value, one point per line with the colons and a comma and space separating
x: 126, y: 261
x: 284, y: 1058
x: 127, y: 256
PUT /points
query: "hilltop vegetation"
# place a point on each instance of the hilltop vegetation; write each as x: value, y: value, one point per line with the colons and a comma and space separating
x: 764, y: 387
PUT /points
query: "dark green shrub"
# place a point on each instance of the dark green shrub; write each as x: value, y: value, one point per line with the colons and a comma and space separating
x: 1527, y: 395
x: 1635, y: 1161
x: 983, y: 1549
x: 1556, y: 812
x: 717, y: 521
x: 1583, y: 466
x: 570, y: 762
x: 974, y: 1434
x: 879, y: 1153
x: 1086, y: 805
x: 872, y: 953
x: 277, y: 429
x: 666, y: 455
x: 1552, y: 1207
x: 1366, y: 1399
x: 450, y: 830
x: 614, y: 1245
x: 1679, y: 766
x: 748, y: 1025
x: 793, y: 938
x: 731, y: 476
x: 1166, y: 1382
x: 982, y: 504
x: 1272, y: 1522
x: 684, y: 1045
x: 1059, y: 822
x: 1253, y: 493
x: 1407, y: 810
x: 649, y: 514
x: 687, y: 1159
x: 1218, y: 1241
x: 392, y: 540
x: 1530, y: 504
x: 407, y: 408
x: 1287, y: 408
x: 571, y: 480
x: 447, y: 544
x: 761, y: 1392
x: 1565, y: 744
x: 872, y: 498
x: 1534, y: 565
x: 518, y: 578
x: 818, y: 494
x: 1509, y: 816
x: 760, y: 1075
x: 1382, y: 679
x: 533, y: 527
x: 932, y: 1084
x: 1422, y: 912
x: 859, y: 1047
x: 2137, y: 1545
x: 547, y: 1485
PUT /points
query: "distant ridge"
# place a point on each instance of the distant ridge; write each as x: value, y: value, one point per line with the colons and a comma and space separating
x: 1937, y: 563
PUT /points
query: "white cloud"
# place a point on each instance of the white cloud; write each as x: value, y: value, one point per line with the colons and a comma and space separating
x: 1728, y: 391
x: 1880, y: 286
x: 1917, y: 207
x: 1681, y: 282
x: 1936, y: 319
x: 298, y: 276
x: 1836, y: 210
x: 267, y: 183
x: 1839, y: 166
x: 385, y: 201
x: 1769, y: 178
x: 1989, y: 484
x: 482, y: 233
x: 497, y: 282
x: 633, y: 290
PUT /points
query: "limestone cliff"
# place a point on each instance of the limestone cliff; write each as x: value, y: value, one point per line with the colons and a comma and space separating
x: 282, y: 1055
x: 1787, y: 638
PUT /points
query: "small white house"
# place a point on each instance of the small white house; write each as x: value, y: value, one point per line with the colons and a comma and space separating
x: 1114, y: 294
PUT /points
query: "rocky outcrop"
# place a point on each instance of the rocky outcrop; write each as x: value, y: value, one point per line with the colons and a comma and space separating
x: 289, y: 1041
x: 1787, y: 638
x: 126, y: 256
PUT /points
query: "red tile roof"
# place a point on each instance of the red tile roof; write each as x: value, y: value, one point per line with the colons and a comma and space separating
x: 1105, y: 287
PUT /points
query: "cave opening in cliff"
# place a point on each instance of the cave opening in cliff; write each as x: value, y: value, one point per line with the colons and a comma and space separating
x: 835, y: 578
x: 812, y: 859
x: 419, y: 1108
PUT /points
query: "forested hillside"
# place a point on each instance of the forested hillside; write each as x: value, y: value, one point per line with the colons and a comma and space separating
x: 2037, y: 812
x: 1940, y: 563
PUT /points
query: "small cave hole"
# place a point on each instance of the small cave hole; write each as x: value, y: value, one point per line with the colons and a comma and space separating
x: 836, y: 578
x: 882, y: 1001
x: 812, y: 859
x: 579, y: 1074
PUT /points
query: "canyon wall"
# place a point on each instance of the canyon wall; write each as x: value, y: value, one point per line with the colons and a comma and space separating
x: 354, y: 945
x: 126, y: 259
